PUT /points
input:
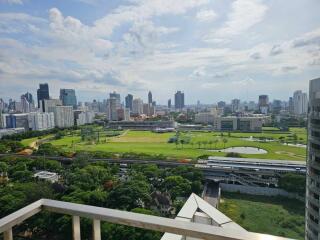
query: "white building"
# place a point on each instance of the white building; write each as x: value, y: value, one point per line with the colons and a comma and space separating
x: 112, y: 107
x: 137, y: 106
x: 50, y: 104
x: 41, y: 121
x: 300, y: 103
x: 83, y: 118
x: 204, y: 118
x: 47, y: 176
x: 63, y: 116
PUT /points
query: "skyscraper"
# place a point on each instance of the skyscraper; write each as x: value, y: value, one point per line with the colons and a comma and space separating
x: 313, y: 163
x: 150, y: 97
x: 235, y: 105
x: 300, y: 102
x: 179, y: 100
x: 169, y: 103
x: 63, y: 116
x: 29, y: 97
x: 68, y: 97
x: 112, y: 107
x: 264, y: 104
x: 291, y: 106
x: 128, y: 101
x: 42, y: 93
x: 137, y: 106
x: 116, y: 96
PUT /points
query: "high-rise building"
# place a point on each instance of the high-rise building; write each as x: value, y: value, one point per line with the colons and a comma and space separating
x: 235, y: 105
x: 26, y: 105
x: 179, y: 100
x: 112, y: 107
x: 41, y: 121
x: 128, y: 101
x: 313, y: 163
x: 300, y: 102
x: 221, y: 104
x: 63, y: 116
x: 42, y: 93
x: 49, y: 104
x: 2, y: 105
x: 169, y: 103
x: 137, y: 106
x: 68, y: 97
x: 17, y: 121
x: 29, y: 97
x: 264, y: 104
x: 150, y: 97
x: 83, y: 117
x: 276, y: 106
x: 291, y: 105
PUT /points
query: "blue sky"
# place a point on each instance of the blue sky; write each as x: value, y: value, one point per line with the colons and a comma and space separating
x: 210, y: 49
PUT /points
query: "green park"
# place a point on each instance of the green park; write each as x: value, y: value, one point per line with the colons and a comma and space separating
x: 274, y: 144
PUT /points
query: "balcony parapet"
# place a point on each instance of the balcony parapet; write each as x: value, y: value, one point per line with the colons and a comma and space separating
x: 148, y: 222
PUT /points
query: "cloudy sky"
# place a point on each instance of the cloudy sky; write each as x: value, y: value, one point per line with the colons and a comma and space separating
x: 210, y: 49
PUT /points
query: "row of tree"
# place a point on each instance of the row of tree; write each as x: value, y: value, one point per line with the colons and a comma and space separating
x: 95, y: 184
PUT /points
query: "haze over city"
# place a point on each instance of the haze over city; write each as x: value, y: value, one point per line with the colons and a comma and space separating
x: 211, y: 50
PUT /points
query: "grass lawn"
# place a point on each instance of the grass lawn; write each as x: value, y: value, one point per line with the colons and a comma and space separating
x: 28, y: 141
x: 156, y: 143
x: 271, y: 215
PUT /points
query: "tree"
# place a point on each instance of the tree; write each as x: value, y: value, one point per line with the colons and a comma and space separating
x: 177, y: 186
x: 129, y: 195
x: 3, y: 167
x: 224, y: 140
x: 216, y: 141
x: 293, y: 183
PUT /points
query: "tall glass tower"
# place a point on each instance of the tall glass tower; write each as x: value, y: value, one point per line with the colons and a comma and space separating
x: 313, y: 163
x: 68, y: 97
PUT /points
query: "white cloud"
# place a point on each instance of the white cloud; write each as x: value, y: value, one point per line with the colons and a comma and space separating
x: 210, y: 85
x: 206, y: 15
x: 244, y: 14
x: 20, y: 2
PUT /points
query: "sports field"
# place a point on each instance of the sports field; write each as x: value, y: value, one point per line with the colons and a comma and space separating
x: 201, y: 143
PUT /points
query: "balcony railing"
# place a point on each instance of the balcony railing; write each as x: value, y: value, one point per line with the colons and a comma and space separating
x: 98, y: 214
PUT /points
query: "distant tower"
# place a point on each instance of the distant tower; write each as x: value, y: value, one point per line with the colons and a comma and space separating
x: 150, y: 97
x: 128, y: 101
x: 169, y: 103
x: 42, y: 92
x: 179, y: 100
x: 68, y: 97
x: 264, y: 104
x: 313, y: 164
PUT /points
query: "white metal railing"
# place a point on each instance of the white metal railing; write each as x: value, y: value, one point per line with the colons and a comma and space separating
x: 149, y: 222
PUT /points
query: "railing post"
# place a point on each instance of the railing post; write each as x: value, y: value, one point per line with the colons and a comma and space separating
x: 76, y: 228
x: 8, y: 234
x: 96, y: 230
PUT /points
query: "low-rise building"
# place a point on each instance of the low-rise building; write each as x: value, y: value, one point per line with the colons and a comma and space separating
x: 10, y: 131
x: 204, y: 118
x: 244, y: 124
x: 141, y: 125
x: 47, y: 176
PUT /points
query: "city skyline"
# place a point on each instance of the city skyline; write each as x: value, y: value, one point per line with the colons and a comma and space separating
x: 229, y: 49
x: 145, y: 97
